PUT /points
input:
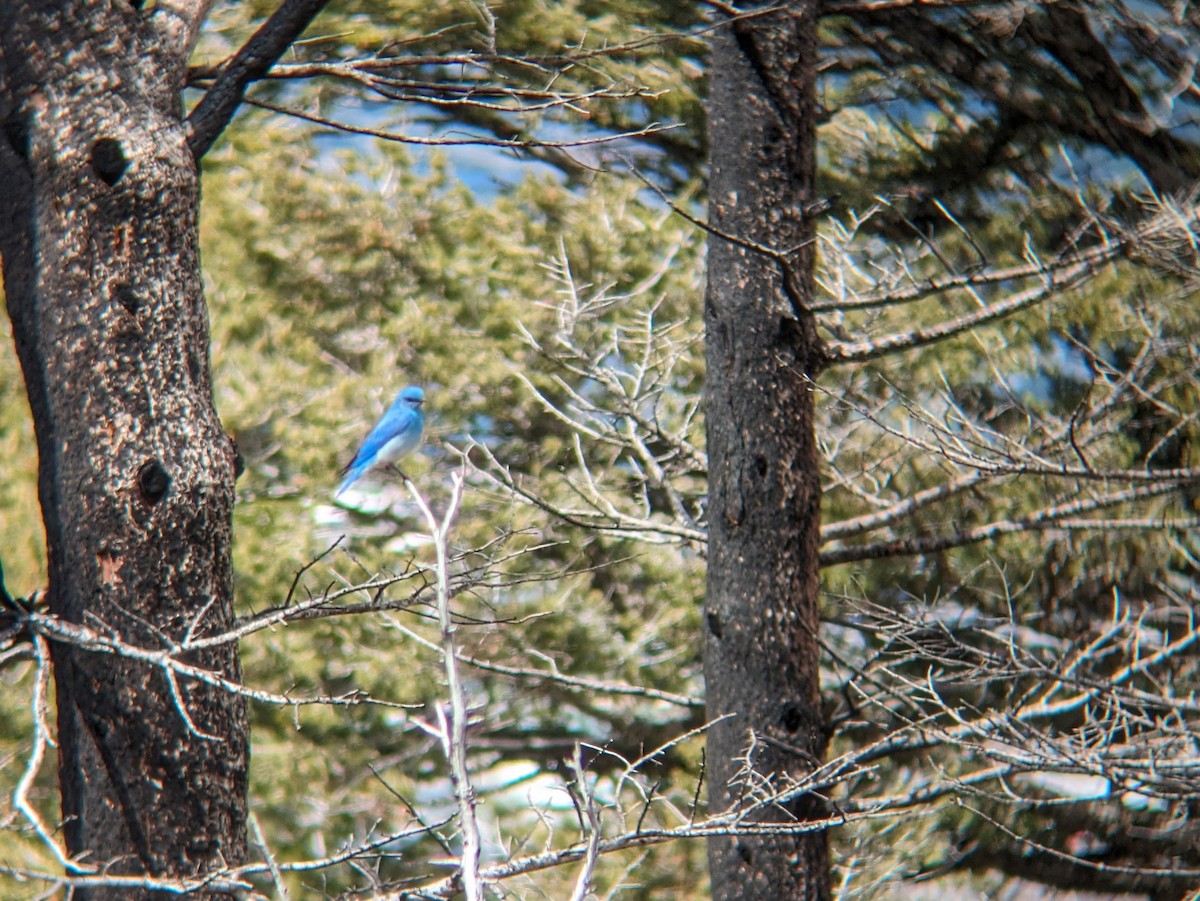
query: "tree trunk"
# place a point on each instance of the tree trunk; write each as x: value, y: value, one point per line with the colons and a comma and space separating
x: 764, y: 491
x: 102, y: 274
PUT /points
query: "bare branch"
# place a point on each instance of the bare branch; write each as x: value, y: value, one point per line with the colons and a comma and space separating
x: 523, y: 144
x: 210, y: 116
x: 838, y: 352
x: 454, y: 733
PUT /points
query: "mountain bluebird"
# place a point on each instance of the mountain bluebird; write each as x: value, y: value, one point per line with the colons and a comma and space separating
x: 394, y: 437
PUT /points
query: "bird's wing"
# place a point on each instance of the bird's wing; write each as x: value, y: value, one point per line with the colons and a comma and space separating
x: 394, y: 421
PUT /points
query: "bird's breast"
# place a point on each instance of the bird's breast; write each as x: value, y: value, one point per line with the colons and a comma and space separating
x: 398, y: 447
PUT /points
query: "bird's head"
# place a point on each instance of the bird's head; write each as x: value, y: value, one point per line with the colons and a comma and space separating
x: 413, y: 396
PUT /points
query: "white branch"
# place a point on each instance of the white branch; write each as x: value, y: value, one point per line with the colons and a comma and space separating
x: 454, y: 734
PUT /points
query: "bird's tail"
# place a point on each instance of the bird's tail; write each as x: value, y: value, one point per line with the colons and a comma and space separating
x: 352, y: 476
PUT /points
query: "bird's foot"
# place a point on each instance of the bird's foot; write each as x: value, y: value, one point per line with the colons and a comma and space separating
x: 392, y: 467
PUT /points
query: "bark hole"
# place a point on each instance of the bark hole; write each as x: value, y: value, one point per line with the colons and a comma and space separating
x: 16, y: 131
x: 109, y: 160
x: 196, y: 368
x: 793, y: 716
x: 126, y: 297
x: 714, y: 624
x: 153, y: 481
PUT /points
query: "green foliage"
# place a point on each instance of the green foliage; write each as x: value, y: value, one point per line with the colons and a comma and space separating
x: 334, y: 279
x: 21, y: 536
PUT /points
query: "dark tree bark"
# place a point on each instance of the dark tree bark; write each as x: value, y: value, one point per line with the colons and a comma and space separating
x: 100, y: 250
x: 764, y: 492
x: 98, y: 232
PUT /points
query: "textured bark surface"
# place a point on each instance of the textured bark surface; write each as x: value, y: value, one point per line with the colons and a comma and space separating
x: 764, y: 490
x: 98, y: 233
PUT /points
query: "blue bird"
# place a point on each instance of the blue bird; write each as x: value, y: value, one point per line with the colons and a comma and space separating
x: 394, y: 437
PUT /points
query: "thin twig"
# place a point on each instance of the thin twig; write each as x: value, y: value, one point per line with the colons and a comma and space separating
x: 584, y: 880
x: 268, y: 856
x: 41, y: 740
x: 454, y: 734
